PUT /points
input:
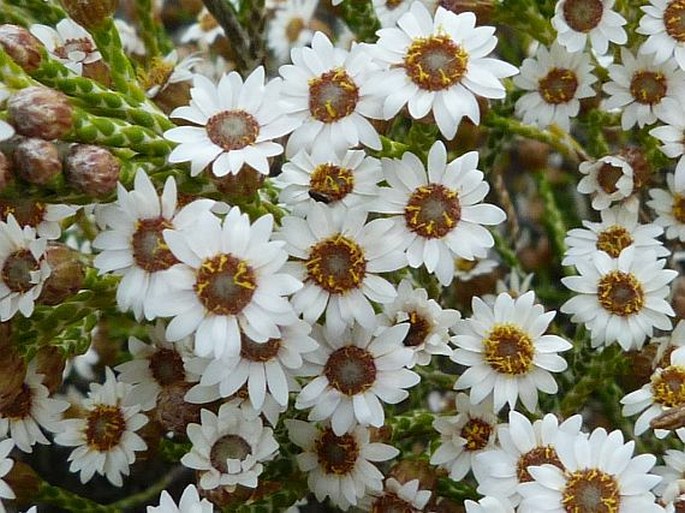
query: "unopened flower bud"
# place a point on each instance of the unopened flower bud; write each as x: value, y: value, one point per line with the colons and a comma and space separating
x: 90, y: 14
x: 642, y: 169
x: 483, y: 9
x: 21, y: 46
x: 92, y: 169
x: 243, y: 185
x: 12, y: 368
x: 50, y: 363
x: 172, y: 96
x: 40, y: 112
x: 173, y: 412
x: 180, y: 12
x: 66, y: 274
x: 408, y: 470
x: 6, y: 174
x: 24, y: 482
x: 37, y: 161
x: 449, y: 506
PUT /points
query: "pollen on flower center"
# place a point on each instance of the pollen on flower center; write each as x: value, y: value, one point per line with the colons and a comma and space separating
x: 674, y: 20
x: 166, y: 367
x: 558, y: 86
x: 17, y: 269
x: 435, y: 62
x: 82, y: 44
x: 613, y: 240
x: 537, y: 456
x: 591, y: 491
x: 432, y: 211
x: 391, y: 503
x: 332, y: 96
x: 150, y: 251
x: 477, y: 433
x: 337, y: 454
x: 678, y: 208
x: 331, y: 181
x: 583, y: 15
x: 27, y: 213
x: 509, y: 350
x: 608, y: 176
x: 668, y: 387
x: 104, y: 427
x: 648, y: 87
x: 351, y: 370
x: 228, y: 447
x: 20, y: 408
x: 620, y: 293
x: 336, y: 264
x: 225, y: 284
x: 157, y: 74
x: 259, y: 352
x: 419, y: 328
x: 232, y: 129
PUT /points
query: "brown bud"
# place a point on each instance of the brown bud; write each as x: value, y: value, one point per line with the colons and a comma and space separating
x: 50, y: 363
x: 172, y: 96
x: 98, y: 71
x: 640, y: 368
x: 90, y: 14
x: 106, y: 347
x: 66, y: 277
x: 21, y: 46
x: 40, y: 112
x: 173, y: 412
x: 24, y: 483
x: 92, y: 169
x: 6, y: 174
x: 243, y: 185
x: 531, y: 155
x: 483, y: 9
x: 449, y: 506
x: 408, y: 470
x: 177, y: 12
x: 642, y: 169
x: 12, y: 369
x: 678, y: 296
x: 37, y: 161
x: 27, y: 212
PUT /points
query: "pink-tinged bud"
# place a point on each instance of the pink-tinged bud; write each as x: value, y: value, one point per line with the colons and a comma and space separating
x: 90, y: 14
x: 50, y: 363
x: 642, y: 169
x: 66, y: 276
x: 6, y: 174
x: 21, y: 46
x: 40, y: 112
x: 12, y: 368
x: 37, y: 161
x: 92, y: 169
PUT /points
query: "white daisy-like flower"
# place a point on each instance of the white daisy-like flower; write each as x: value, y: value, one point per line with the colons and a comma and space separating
x: 515, y: 284
x: 339, y: 466
x: 31, y: 410
x: 437, y: 64
x: 396, y: 496
x: 576, y: 21
x: 205, y: 30
x: 338, y: 257
x: 229, y: 448
x: 189, y: 503
x: 154, y: 366
x: 6, y: 464
x: 69, y: 43
x: 389, y: 11
x: 168, y: 70
x: 488, y: 505
x: 349, y: 179
x: 673, y: 142
x: 507, y: 351
x: 663, y: 22
x: 324, y: 89
x: 620, y: 299
x: 646, y: 91
x: 670, y: 489
x: 45, y: 218
x: 608, y: 179
x: 521, y: 444
x: 600, y: 474
x: 356, y: 371
x: 133, y: 246
x: 267, y: 367
x: 618, y: 230
x: 238, y: 122
x: 290, y: 28
x: 130, y: 41
x: 429, y: 324
x: 464, y: 436
x: 466, y: 270
x: 23, y: 268
x: 665, y: 390
x: 227, y: 281
x: 439, y: 212
x: 105, y: 439
x: 669, y: 206
x: 557, y: 80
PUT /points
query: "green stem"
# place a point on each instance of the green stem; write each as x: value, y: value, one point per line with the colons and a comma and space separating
x: 361, y: 18
x: 42, y: 11
x: 554, y: 218
x: 11, y: 74
x: 56, y: 496
x: 149, y: 493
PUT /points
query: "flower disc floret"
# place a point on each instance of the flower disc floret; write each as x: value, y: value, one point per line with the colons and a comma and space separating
x: 337, y: 454
x: 233, y: 129
x: 558, y: 86
x: 331, y: 182
x: 583, y: 15
x: 17, y: 270
x: 336, y: 264
x: 620, y: 293
x: 477, y: 433
x: 668, y: 387
x: 351, y: 370
x: 648, y: 87
x: 225, y: 284
x: 509, y: 349
x: 435, y: 62
x: 674, y: 20
x: 591, y: 491
x: 432, y: 211
x: 613, y: 240
x: 150, y: 252
x: 332, y: 96
x: 105, y: 427
x: 537, y: 456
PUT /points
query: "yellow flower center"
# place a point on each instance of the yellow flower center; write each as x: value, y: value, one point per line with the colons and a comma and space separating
x: 436, y: 62
x: 509, y: 350
x: 336, y: 264
x: 620, y: 293
x: 591, y: 491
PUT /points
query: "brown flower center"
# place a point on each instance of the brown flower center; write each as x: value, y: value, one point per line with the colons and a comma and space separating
x: 509, y: 350
x: 613, y: 240
x: 225, y: 284
x: 293, y: 29
x: 583, y: 15
x: 27, y: 213
x: 678, y: 208
x: 558, y: 86
x: 537, y: 456
x: 391, y: 503
x: 419, y: 328
x: 332, y: 96
x: 150, y: 251
x: 104, y: 427
x: 331, y: 181
x: 232, y: 129
x: 17, y: 269
x: 82, y: 44
x: 157, y: 74
x: 668, y: 386
x: 674, y: 20
x: 20, y: 408
x: 648, y: 87
x: 336, y: 264
x: 228, y: 447
x: 351, y: 370
x: 435, y: 63
x: 432, y: 211
x: 166, y: 367
x: 620, y: 293
x: 259, y: 352
x: 477, y: 434
x: 608, y: 176
x: 591, y: 491
x: 337, y: 454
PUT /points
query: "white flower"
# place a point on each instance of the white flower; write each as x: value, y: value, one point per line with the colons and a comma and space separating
x: 205, y: 30
x: 133, y: 245
x: 673, y: 145
x: 618, y: 230
x: 23, y: 268
x: 600, y: 475
x: 488, y: 505
x: 45, y: 218
x: 608, y: 179
x: 620, y: 299
x: 167, y: 70
x: 229, y: 448
x: 576, y: 21
x: 69, y: 43
x: 466, y: 270
x: 190, y: 503
x: 130, y: 41
x: 237, y: 124
x: 646, y: 91
x: 355, y: 371
x: 670, y: 208
x: 437, y: 64
x: 338, y: 257
x: 339, y: 466
x: 507, y: 351
x: 325, y: 90
x: 439, y: 213
x: 389, y: 11
x: 290, y: 27
x: 557, y: 80
x: 670, y: 489
x: 227, y: 281
x: 464, y: 436
x: 6, y: 464
x: 429, y: 324
x: 396, y: 496
x: 663, y: 23
x: 105, y: 440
